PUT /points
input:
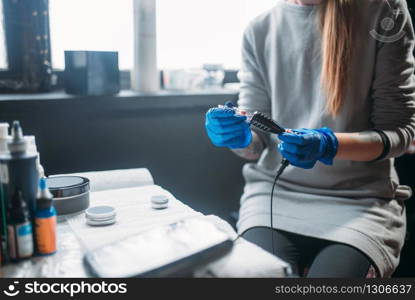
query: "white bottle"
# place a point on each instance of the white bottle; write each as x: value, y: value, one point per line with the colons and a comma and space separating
x: 4, y: 138
x: 32, y: 148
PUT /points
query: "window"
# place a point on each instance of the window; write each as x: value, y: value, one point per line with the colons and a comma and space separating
x: 194, y: 32
x: 3, y: 53
x: 190, y: 32
x: 102, y: 25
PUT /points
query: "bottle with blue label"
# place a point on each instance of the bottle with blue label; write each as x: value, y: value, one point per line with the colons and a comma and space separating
x: 20, y: 233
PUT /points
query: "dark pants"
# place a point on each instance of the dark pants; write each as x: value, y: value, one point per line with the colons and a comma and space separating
x: 324, y: 259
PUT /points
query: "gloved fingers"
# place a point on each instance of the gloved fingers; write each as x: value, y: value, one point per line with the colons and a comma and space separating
x: 309, y: 135
x: 226, y: 121
x: 230, y: 138
x: 290, y: 156
x: 303, y: 153
x: 298, y: 139
x: 295, y: 149
x: 213, y: 138
x: 216, y: 140
x: 233, y: 129
x: 243, y: 142
x: 217, y: 112
x: 295, y: 160
x: 226, y: 137
x: 301, y: 131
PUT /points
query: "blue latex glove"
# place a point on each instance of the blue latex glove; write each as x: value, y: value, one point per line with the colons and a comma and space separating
x: 225, y: 129
x: 304, y: 147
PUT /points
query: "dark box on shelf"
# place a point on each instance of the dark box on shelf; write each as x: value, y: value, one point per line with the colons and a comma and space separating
x: 92, y: 73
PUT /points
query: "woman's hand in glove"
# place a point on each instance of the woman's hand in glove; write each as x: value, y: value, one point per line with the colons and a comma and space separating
x: 304, y: 147
x: 225, y: 129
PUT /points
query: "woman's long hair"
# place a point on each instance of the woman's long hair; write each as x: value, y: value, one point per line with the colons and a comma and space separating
x: 337, y: 26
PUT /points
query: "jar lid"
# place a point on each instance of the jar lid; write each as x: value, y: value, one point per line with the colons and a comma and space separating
x: 67, y: 186
x: 100, y: 213
x: 159, y: 199
x: 100, y: 223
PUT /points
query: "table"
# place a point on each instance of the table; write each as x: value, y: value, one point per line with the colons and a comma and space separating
x: 134, y: 214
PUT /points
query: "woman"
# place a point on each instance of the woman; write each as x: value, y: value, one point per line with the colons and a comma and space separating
x: 346, y: 68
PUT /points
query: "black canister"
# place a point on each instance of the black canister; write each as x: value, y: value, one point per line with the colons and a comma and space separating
x: 18, y: 171
x: 70, y: 193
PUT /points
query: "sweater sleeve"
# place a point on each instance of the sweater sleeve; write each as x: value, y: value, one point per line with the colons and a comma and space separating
x: 393, y: 89
x: 253, y: 94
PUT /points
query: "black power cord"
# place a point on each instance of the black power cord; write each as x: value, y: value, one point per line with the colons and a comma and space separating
x: 284, y: 164
x: 268, y: 125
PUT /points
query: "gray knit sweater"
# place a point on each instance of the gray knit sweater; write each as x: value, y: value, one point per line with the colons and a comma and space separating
x: 357, y: 203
